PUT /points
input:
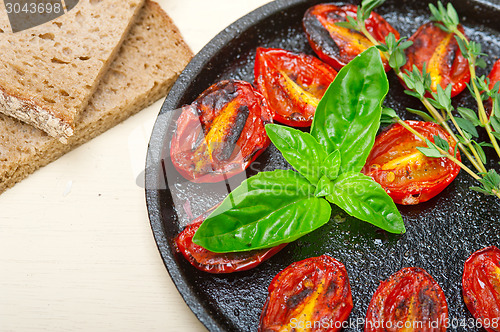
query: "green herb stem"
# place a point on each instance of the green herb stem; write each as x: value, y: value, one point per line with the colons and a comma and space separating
x: 438, y: 117
x: 483, y: 117
x: 368, y: 35
x: 492, y: 138
x: 474, y: 158
x: 271, y: 208
x: 477, y: 94
x: 472, y: 68
x: 445, y: 154
x: 479, y: 166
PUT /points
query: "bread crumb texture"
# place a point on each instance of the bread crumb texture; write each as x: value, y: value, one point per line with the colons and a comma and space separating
x: 148, y: 63
x: 49, y: 72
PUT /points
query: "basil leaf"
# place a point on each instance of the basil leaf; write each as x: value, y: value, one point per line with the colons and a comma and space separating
x: 323, y: 187
x: 363, y: 198
x: 331, y: 165
x: 300, y: 149
x: 348, y: 116
x: 266, y: 210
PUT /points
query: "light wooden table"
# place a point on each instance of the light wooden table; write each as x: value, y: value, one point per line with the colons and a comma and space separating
x: 76, y: 248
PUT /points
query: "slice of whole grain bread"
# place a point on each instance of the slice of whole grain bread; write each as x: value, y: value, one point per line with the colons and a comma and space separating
x: 49, y: 72
x: 4, y: 19
x: 149, y: 61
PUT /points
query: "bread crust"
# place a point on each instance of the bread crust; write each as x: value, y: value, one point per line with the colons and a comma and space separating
x: 29, y: 112
x: 48, y: 73
x: 148, y: 63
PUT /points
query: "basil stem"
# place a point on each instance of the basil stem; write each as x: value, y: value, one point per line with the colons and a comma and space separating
x: 348, y: 116
x: 277, y: 207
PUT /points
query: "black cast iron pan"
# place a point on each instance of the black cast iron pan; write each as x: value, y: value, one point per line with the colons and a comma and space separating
x: 441, y: 233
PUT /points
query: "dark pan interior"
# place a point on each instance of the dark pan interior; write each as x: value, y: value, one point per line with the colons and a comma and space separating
x: 441, y: 233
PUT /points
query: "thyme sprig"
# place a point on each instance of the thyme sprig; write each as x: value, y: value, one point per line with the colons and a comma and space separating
x: 446, y: 18
x: 395, y: 50
x: 362, y: 14
x: 438, y: 103
x: 418, y: 84
x: 471, y: 50
x: 490, y: 181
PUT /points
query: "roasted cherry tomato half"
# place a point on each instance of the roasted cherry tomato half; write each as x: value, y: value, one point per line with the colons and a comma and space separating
x: 440, y: 52
x: 310, y: 295
x: 481, y: 287
x: 494, y: 77
x: 221, y: 132
x: 212, y: 262
x: 338, y: 45
x: 405, y: 173
x: 292, y: 84
x: 410, y: 300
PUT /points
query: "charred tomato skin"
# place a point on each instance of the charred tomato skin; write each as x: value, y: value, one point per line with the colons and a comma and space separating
x: 221, y: 132
x: 217, y: 263
x: 335, y: 45
x: 481, y: 287
x: 292, y: 83
x: 494, y: 77
x: 443, y: 58
x: 407, y: 175
x: 317, y: 287
x: 410, y: 294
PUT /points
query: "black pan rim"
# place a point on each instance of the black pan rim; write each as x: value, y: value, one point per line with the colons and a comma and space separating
x: 153, y: 161
x: 153, y: 158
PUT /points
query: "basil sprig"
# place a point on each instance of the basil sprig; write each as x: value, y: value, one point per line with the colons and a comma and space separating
x: 278, y: 207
